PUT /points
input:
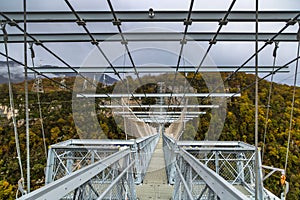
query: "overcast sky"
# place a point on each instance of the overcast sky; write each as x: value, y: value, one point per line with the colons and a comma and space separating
x: 221, y: 53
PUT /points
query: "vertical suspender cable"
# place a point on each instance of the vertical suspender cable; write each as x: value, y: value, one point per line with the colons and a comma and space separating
x: 256, y: 104
x: 26, y: 98
x: 269, y: 99
x: 293, y: 102
x: 39, y: 102
x: 12, y: 108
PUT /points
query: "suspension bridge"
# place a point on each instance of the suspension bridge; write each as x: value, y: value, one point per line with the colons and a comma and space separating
x: 157, y: 163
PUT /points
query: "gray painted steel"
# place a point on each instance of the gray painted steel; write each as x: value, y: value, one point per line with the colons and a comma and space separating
x: 162, y: 95
x: 158, y: 69
x: 150, y: 36
x: 63, y: 186
x: 143, y: 16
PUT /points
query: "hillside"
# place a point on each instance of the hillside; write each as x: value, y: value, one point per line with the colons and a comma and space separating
x: 239, y: 125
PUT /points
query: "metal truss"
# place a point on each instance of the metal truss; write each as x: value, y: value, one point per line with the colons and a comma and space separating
x: 161, y: 95
x: 150, y: 37
x: 110, y: 169
x: 165, y: 120
x: 157, y: 113
x: 212, y: 170
x: 95, y: 169
x: 159, y: 106
x: 66, y: 158
x: 159, y: 69
x: 143, y: 16
x: 87, y: 183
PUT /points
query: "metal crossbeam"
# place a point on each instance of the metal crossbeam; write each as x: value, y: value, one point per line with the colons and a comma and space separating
x: 171, y: 117
x: 157, y: 113
x: 160, y: 106
x: 143, y: 16
x: 162, y: 95
x: 158, y: 69
x: 162, y: 121
x: 216, y: 144
x: 150, y: 36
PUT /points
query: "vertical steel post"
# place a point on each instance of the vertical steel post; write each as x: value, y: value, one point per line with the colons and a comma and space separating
x: 217, y: 162
x: 26, y: 97
x: 256, y: 103
x: 49, y: 167
x: 240, y: 167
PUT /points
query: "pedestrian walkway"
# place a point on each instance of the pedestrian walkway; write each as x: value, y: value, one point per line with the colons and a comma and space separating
x: 155, y: 184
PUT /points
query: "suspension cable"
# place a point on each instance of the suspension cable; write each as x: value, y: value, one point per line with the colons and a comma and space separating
x: 293, y: 102
x: 258, y: 194
x: 291, y: 22
x: 39, y: 43
x: 39, y: 101
x: 82, y: 23
x: 38, y: 73
x: 12, y: 107
x: 222, y: 22
x: 187, y: 23
x: 213, y: 41
x: 26, y: 97
x: 125, y: 43
x: 266, y: 76
x: 269, y: 99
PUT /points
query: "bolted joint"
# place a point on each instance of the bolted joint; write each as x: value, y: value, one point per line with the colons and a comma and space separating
x: 38, y: 43
x: 212, y: 41
x: 223, y: 22
x: 81, y: 22
x: 269, y: 42
x: 5, y: 35
x: 12, y: 23
x: 116, y: 22
x: 94, y: 42
x: 187, y: 22
x: 183, y: 41
x: 291, y: 22
x: 124, y: 42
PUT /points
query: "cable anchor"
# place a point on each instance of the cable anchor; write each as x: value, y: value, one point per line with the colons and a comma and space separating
x: 5, y: 35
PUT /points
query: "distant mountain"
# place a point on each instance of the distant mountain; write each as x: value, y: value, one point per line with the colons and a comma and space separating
x: 17, y: 74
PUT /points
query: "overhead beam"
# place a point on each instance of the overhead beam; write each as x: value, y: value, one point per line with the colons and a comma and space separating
x: 161, y: 117
x: 160, y: 95
x: 162, y: 121
x: 151, y: 36
x: 165, y: 118
x: 157, y: 113
x: 159, y: 106
x: 143, y: 16
x: 158, y: 69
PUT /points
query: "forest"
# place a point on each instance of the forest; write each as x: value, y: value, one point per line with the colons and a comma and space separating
x: 56, y: 104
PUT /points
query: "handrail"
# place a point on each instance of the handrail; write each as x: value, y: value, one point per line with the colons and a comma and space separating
x: 67, y: 184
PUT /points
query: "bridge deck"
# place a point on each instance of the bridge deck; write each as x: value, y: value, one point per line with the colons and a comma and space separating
x: 155, y: 184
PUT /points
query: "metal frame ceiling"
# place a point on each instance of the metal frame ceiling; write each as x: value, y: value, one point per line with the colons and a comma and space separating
x: 116, y: 18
